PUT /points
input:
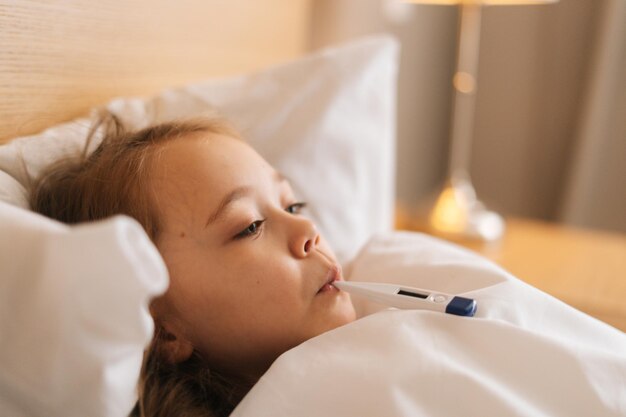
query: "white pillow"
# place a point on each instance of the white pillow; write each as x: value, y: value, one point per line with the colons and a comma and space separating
x: 524, y: 353
x: 74, y: 317
x: 326, y: 121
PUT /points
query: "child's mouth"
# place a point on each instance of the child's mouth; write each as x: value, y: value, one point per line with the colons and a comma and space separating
x: 334, y: 274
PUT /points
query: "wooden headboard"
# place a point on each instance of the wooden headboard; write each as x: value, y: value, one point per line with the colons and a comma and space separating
x: 59, y: 59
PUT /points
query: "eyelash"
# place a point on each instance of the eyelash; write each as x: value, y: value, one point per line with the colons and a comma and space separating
x: 255, y: 227
x: 296, y: 206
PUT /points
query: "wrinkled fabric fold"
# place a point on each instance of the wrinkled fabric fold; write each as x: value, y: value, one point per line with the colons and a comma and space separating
x: 523, y: 354
x: 74, y: 314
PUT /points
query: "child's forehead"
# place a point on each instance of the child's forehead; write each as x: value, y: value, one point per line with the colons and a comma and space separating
x: 214, y: 159
x: 205, y: 147
x: 194, y: 176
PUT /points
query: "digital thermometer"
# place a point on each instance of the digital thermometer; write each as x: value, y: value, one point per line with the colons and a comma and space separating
x: 410, y: 298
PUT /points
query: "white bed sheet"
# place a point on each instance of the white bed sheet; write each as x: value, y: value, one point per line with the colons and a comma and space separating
x: 523, y: 354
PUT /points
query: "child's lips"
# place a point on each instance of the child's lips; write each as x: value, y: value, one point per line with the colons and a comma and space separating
x: 334, y: 274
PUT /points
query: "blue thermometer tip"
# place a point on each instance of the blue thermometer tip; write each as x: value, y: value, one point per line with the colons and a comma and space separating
x: 461, y: 306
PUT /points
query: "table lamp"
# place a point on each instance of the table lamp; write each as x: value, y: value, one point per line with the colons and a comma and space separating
x: 457, y: 213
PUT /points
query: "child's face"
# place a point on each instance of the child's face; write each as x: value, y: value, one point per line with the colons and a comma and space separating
x: 248, y: 272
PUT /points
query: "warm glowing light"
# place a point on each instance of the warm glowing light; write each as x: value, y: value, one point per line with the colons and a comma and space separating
x: 450, y: 212
x: 464, y: 82
x: 458, y: 214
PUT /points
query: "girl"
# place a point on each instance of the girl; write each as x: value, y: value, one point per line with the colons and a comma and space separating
x: 249, y: 274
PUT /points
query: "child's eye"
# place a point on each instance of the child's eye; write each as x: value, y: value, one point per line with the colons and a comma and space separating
x: 251, y: 230
x: 295, y: 208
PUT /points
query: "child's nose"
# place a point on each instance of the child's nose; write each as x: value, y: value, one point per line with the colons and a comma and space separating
x: 305, y: 237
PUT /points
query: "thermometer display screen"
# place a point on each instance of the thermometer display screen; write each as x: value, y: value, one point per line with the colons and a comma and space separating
x: 413, y: 294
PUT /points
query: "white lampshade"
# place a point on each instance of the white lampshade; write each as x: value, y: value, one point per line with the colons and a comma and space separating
x: 484, y: 2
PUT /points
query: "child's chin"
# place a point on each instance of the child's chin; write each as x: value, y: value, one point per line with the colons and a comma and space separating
x: 346, y: 313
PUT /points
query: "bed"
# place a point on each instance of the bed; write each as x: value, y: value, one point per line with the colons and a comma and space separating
x: 73, y: 300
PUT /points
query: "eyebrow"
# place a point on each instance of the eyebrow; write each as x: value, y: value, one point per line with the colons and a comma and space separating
x: 235, y: 195
x: 231, y: 197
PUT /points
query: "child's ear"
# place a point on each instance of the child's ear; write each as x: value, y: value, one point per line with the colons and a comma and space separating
x: 175, y: 347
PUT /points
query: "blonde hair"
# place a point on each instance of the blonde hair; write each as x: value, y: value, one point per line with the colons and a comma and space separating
x: 115, y: 179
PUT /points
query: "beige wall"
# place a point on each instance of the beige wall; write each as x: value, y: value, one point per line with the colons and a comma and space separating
x: 533, y: 69
x: 59, y: 59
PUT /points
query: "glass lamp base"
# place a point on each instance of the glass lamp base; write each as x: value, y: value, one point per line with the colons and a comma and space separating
x: 458, y: 215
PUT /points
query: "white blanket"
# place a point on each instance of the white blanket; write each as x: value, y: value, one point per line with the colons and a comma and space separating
x: 523, y: 354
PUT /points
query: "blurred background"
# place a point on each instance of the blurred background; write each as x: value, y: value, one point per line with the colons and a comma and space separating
x: 549, y: 138
x: 549, y: 132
